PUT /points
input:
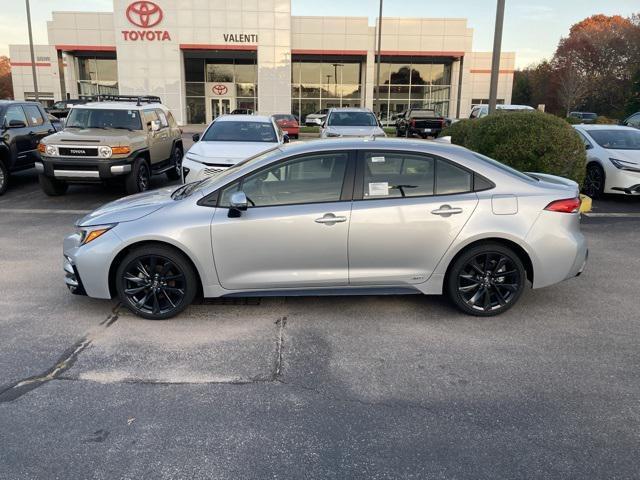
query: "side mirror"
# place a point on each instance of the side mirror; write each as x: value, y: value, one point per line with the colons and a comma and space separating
x: 285, y: 138
x: 155, y: 125
x: 237, y: 203
x: 17, y: 124
x: 195, y: 137
x: 588, y: 146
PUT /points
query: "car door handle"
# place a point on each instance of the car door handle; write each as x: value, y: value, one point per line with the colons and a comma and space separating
x: 446, y: 210
x: 330, y: 219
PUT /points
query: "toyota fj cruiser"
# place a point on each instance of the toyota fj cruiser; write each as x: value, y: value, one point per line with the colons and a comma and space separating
x: 116, y: 137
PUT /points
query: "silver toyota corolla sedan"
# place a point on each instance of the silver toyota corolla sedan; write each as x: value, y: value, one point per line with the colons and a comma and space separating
x: 335, y: 217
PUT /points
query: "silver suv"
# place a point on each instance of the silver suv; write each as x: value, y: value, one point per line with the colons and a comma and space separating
x: 116, y: 138
x: 335, y: 217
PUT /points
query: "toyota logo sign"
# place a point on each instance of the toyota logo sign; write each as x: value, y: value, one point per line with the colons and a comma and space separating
x: 219, y: 89
x: 144, y: 14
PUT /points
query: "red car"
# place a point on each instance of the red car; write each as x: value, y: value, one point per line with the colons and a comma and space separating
x: 289, y: 124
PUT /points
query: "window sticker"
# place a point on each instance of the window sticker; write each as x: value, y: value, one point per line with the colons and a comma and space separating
x: 377, y: 159
x: 378, y: 189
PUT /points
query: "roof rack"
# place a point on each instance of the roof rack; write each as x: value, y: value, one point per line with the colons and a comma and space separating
x: 139, y: 99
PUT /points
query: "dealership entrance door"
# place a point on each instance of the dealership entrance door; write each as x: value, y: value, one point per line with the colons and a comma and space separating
x: 220, y: 106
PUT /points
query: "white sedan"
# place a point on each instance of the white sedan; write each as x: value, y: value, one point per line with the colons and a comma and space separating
x: 613, y: 159
x: 228, y: 140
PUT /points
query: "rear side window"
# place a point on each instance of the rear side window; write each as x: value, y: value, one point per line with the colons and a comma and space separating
x: 33, y: 115
x: 452, y: 179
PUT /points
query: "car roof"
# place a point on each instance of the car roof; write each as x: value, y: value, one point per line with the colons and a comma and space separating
x: 589, y: 126
x: 20, y: 102
x: 350, y: 109
x: 107, y: 105
x: 246, y: 118
x: 373, y: 143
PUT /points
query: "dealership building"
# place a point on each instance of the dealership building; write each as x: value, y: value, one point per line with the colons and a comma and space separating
x: 209, y: 57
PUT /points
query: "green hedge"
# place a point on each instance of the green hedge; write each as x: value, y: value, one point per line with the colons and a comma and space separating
x: 527, y: 141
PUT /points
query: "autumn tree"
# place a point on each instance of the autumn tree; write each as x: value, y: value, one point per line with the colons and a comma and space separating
x: 6, y: 85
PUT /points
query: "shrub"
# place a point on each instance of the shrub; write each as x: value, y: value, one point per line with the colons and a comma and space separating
x: 602, y: 120
x: 458, y: 131
x: 527, y: 141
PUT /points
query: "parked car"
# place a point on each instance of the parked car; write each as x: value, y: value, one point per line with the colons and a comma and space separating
x: 584, y: 117
x: 289, y: 124
x: 419, y: 121
x: 480, y: 111
x: 126, y: 138
x: 61, y: 109
x: 316, y: 119
x: 613, y: 159
x: 335, y: 217
x: 23, y: 125
x: 242, y: 111
x: 351, y: 122
x: 632, y: 121
x: 228, y: 140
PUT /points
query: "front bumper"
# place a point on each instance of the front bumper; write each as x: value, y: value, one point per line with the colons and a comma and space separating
x: 194, y: 171
x: 622, y: 181
x: 72, y: 277
x: 84, y: 169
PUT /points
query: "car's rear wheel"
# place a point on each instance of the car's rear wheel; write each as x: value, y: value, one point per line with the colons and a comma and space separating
x: 4, y: 178
x: 51, y: 186
x: 486, y: 280
x: 156, y: 282
x: 176, y: 159
x: 139, y: 178
x: 594, y: 181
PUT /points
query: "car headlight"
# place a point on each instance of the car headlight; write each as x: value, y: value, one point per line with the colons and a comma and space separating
x: 624, y: 165
x: 50, y: 150
x: 104, y: 151
x: 89, y: 234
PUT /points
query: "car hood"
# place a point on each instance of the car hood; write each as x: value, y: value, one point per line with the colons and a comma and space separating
x: 356, y: 131
x: 88, y: 136
x: 227, y: 153
x: 625, y: 155
x: 128, y: 208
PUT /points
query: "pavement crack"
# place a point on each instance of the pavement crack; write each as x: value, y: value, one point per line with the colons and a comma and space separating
x: 64, y: 363
x: 277, y: 370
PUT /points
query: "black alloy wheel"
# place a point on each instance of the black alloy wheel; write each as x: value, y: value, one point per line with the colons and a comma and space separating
x: 486, y: 280
x: 4, y: 178
x: 143, y: 177
x: 156, y: 283
x: 594, y: 181
x: 176, y: 159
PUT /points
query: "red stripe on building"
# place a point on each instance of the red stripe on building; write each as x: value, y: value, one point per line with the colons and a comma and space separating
x: 304, y: 51
x: 407, y: 53
x: 28, y: 64
x: 86, y: 48
x: 481, y: 70
x: 203, y: 46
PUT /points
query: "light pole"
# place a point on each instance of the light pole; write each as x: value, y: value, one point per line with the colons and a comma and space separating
x: 335, y: 78
x: 495, y: 61
x: 33, y: 57
x: 377, y: 96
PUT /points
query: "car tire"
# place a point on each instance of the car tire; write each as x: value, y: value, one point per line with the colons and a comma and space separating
x: 139, y: 178
x: 176, y: 158
x: 52, y: 187
x: 164, y: 286
x: 398, y: 132
x: 486, y: 280
x: 594, y: 181
x: 4, y: 178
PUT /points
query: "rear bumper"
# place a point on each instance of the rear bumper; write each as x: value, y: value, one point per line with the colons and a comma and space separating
x: 84, y: 169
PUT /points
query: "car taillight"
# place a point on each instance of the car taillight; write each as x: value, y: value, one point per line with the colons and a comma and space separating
x: 567, y: 205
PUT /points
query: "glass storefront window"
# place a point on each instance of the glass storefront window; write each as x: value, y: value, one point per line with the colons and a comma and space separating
x: 245, y: 73
x: 310, y: 73
x: 220, y: 72
x: 400, y: 75
x: 194, y: 69
x: 246, y: 89
x: 194, y: 89
x: 97, y: 76
x: 196, y: 110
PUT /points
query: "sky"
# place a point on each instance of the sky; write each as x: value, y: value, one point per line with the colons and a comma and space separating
x: 532, y: 28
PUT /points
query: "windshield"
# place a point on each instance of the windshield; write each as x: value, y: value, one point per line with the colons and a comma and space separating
x: 240, y: 131
x: 189, y: 188
x: 617, y: 139
x: 102, y: 118
x: 505, y: 168
x: 352, y: 119
x: 290, y: 118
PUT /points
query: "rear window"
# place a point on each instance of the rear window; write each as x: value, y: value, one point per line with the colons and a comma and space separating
x: 504, y: 168
x: 422, y: 113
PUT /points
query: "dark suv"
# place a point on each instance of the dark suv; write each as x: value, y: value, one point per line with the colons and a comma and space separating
x: 22, y: 126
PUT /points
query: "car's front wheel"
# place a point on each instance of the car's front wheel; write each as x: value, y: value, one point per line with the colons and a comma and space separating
x: 156, y: 282
x: 176, y: 172
x: 139, y: 178
x: 51, y: 186
x: 486, y: 280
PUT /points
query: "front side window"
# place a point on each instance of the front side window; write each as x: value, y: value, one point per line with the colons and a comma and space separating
x: 617, y: 139
x: 310, y: 179
x: 15, y: 112
x: 163, y: 119
x: 33, y: 115
x: 240, y: 131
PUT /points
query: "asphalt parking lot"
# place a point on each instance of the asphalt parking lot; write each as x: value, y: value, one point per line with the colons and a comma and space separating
x: 331, y: 387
